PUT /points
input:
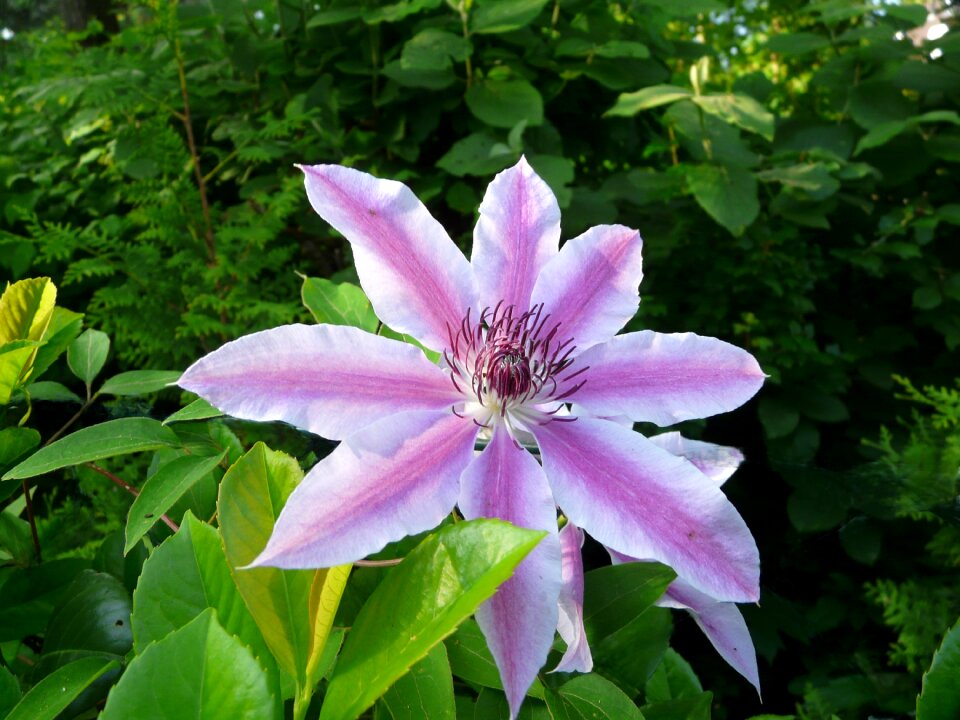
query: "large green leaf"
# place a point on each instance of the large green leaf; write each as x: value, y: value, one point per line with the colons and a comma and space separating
x: 499, y: 16
x: 294, y: 609
x: 504, y: 103
x: 139, y: 382
x: 616, y: 594
x: 162, y: 490
x: 728, y: 194
x: 87, y: 355
x: 630, y: 655
x: 26, y: 308
x: 940, y: 697
x: 424, y: 693
x: 673, y: 679
x: 199, y: 672
x: 650, y: 97
x: 49, y: 697
x: 741, y: 110
x: 591, y: 697
x: 420, y: 602
x: 114, y: 437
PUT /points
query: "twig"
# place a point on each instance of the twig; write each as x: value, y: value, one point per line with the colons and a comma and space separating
x: 378, y: 563
x: 31, y: 520
x: 130, y: 489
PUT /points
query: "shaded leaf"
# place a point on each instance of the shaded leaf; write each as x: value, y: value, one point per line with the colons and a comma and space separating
x: 940, y: 697
x: 499, y: 16
x: 140, y: 382
x: 49, y: 697
x: 504, y: 103
x: 425, y: 692
x: 591, y: 697
x: 728, y: 194
x: 87, y: 355
x: 650, y: 97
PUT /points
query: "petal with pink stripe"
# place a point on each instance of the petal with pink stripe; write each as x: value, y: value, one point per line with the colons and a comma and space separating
x: 717, y: 462
x: 519, y: 621
x: 646, y: 503
x: 397, y: 477
x: 590, y: 286
x: 577, y: 658
x: 328, y: 379
x: 417, y: 280
x: 517, y: 233
x: 667, y: 378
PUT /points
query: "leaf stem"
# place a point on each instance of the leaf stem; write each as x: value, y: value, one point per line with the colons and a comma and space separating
x: 30, y: 519
x: 130, y: 489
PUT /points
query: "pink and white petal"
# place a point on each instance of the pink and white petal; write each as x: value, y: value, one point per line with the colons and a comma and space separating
x: 577, y: 658
x: 520, y: 619
x: 717, y: 462
x: 328, y: 379
x: 723, y: 625
x: 590, y: 287
x: 667, y: 378
x: 396, y: 477
x: 517, y: 233
x: 644, y: 502
x: 417, y: 280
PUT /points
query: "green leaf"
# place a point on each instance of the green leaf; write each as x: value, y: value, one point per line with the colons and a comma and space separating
x: 140, y: 382
x: 294, y: 609
x: 114, y: 437
x: 31, y: 594
x: 813, y: 178
x: 799, y: 43
x: 940, y: 697
x: 470, y: 659
x: 9, y: 691
x: 420, y: 602
x: 334, y: 16
x: 504, y: 103
x: 623, y: 49
x: 861, y: 539
x: 500, y: 16
x: 673, y: 679
x: 65, y: 325
x: 927, y: 297
x: 740, y: 110
x: 616, y: 594
x: 728, y: 194
x: 162, y: 490
x: 15, y: 538
x: 779, y: 417
x: 688, y: 708
x: 26, y: 308
x: 15, y: 358
x: 591, y: 697
x: 49, y: 697
x: 650, y: 97
x: 52, y: 392
x: 87, y: 355
x: 426, y: 692
x: 338, y: 303
x: 199, y: 409
x: 631, y: 654
x: 216, y: 679
x: 15, y: 442
x: 477, y: 154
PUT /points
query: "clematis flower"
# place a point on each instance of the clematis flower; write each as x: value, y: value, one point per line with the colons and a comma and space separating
x: 720, y: 621
x: 525, y: 328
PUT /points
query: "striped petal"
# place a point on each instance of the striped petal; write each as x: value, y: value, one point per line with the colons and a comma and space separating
x: 519, y: 620
x: 667, y: 378
x: 646, y: 503
x: 417, y: 280
x: 328, y: 379
x: 517, y: 233
x: 590, y: 287
x: 577, y: 658
x: 396, y: 477
x: 717, y: 462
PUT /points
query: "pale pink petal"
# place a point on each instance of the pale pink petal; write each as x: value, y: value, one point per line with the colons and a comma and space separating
x: 329, y: 379
x: 577, y: 658
x: 723, y: 625
x: 517, y: 233
x: 717, y: 462
x: 646, y: 503
x: 666, y: 378
x: 417, y: 280
x: 519, y: 620
x: 396, y: 477
x: 590, y: 287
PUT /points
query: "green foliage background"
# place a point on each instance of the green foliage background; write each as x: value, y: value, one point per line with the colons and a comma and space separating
x: 792, y: 168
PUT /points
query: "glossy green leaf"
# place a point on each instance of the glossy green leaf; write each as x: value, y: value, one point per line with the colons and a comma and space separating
x: 471, y: 660
x: 216, y: 678
x: 26, y: 307
x: 504, y: 103
x: 337, y: 303
x: 425, y: 692
x: 940, y: 697
x: 728, y: 194
x: 87, y: 354
x: 9, y: 691
x: 52, y: 392
x: 614, y: 595
x: 591, y: 697
x: 114, y: 437
x: 420, y: 602
x: 49, y: 697
x: 183, y: 577
x: 294, y: 609
x: 199, y: 409
x: 162, y: 489
x: 740, y: 110
x: 499, y: 16
x: 140, y: 382
x: 673, y: 679
x: 650, y: 97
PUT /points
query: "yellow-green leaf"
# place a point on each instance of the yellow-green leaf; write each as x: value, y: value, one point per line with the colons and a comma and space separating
x: 26, y: 308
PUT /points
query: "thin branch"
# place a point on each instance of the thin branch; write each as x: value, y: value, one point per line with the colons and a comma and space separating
x: 378, y: 563
x: 32, y: 520
x: 130, y: 489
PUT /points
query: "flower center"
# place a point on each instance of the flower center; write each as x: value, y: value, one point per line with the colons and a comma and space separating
x: 511, y: 366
